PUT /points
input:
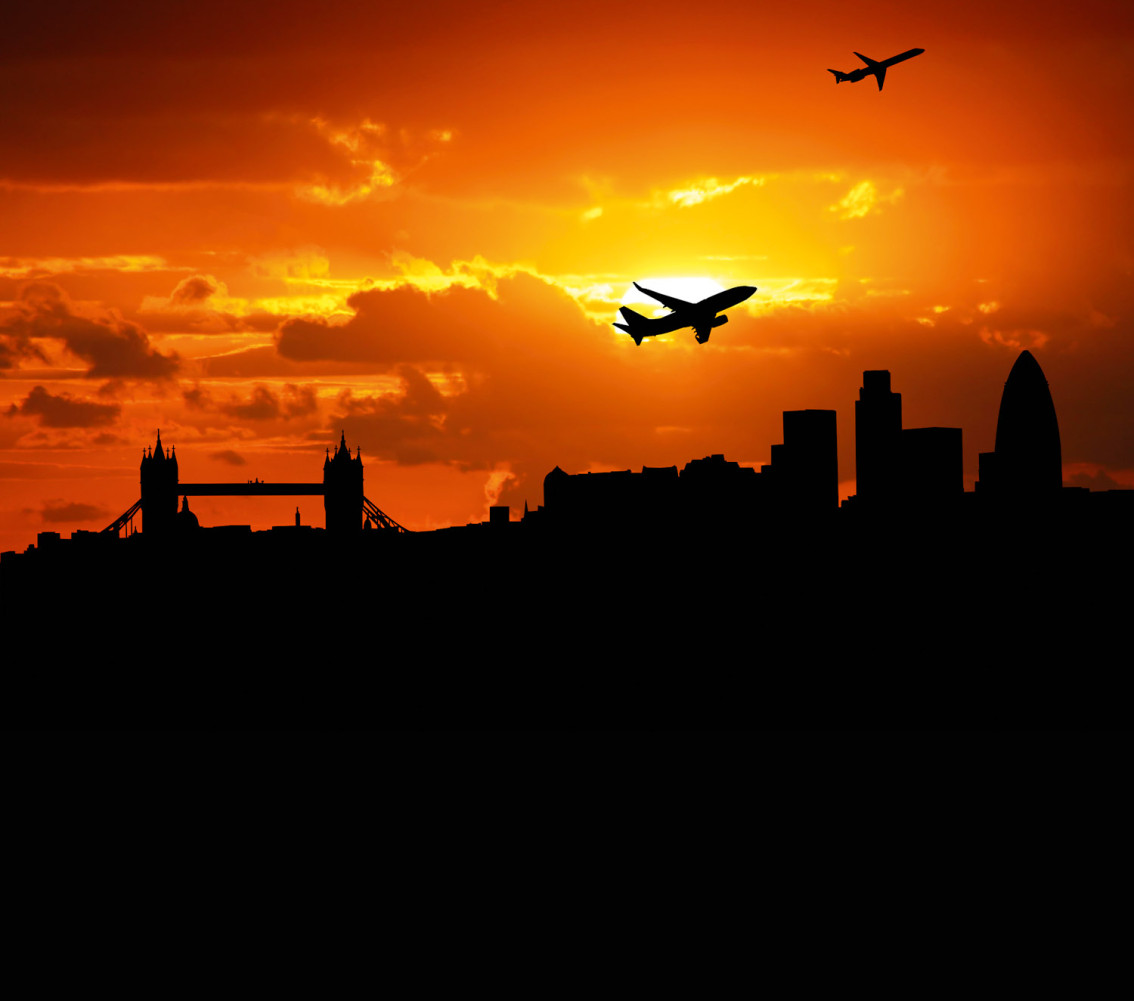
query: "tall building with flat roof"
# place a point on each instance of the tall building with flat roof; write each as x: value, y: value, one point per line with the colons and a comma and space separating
x: 898, y: 467
x: 877, y: 434
x: 808, y: 473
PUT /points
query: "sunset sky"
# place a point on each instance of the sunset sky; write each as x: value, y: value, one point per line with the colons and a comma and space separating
x: 257, y: 225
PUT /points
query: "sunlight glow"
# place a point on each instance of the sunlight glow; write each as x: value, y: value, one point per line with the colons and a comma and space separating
x: 862, y: 199
x: 689, y: 289
x: 709, y: 187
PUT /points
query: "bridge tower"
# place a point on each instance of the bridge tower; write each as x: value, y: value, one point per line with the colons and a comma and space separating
x: 159, y: 490
x: 342, y: 490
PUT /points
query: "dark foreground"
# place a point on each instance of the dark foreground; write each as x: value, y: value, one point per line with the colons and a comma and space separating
x: 821, y: 628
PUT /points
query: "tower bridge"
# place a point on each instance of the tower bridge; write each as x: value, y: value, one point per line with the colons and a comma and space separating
x: 344, y: 503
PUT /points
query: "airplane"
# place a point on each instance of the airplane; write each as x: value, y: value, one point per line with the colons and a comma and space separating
x: 701, y: 316
x: 877, y: 68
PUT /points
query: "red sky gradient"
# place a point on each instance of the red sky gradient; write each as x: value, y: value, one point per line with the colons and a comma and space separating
x: 254, y: 225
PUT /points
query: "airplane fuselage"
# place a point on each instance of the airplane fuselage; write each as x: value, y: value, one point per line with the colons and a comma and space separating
x: 874, y: 68
x: 701, y: 316
x: 722, y: 300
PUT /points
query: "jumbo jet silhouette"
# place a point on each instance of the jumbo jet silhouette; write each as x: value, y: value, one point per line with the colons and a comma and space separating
x: 701, y: 316
x: 878, y: 69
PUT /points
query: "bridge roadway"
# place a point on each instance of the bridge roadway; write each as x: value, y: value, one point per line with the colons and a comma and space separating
x: 250, y: 489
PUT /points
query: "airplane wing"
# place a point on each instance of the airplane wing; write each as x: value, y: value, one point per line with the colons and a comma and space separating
x: 669, y: 301
x: 866, y: 59
x: 881, y: 74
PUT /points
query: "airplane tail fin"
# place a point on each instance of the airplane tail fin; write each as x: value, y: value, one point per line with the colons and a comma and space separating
x: 636, y: 325
x: 839, y: 77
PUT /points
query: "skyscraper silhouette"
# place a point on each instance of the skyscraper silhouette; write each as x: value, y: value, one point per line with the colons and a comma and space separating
x: 899, y: 467
x: 877, y: 433
x: 1028, y: 458
x: 808, y: 462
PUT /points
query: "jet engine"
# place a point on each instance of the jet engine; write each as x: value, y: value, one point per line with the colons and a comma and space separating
x: 702, y: 333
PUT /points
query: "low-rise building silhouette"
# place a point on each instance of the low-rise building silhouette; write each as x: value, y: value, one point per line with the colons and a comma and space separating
x: 802, y: 480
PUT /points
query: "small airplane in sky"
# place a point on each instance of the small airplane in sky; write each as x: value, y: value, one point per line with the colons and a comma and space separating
x: 878, y: 69
x: 701, y: 316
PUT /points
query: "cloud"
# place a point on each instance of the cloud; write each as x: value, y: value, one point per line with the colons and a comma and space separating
x: 201, y: 304
x: 863, y: 199
x: 408, y: 428
x: 41, y: 267
x: 228, y: 456
x: 1099, y: 480
x: 708, y: 188
x: 379, y: 158
x: 391, y: 326
x: 197, y: 398
x: 63, y: 411
x: 195, y: 290
x: 66, y: 512
x: 112, y: 346
x: 14, y: 348
x: 264, y: 405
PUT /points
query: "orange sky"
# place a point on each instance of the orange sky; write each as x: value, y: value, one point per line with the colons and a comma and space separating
x: 255, y: 225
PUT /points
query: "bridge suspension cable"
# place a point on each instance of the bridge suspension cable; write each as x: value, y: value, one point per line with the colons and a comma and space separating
x: 379, y: 516
x: 123, y: 520
x: 376, y: 514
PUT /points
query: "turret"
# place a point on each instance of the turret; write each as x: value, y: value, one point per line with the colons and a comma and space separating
x: 159, y: 491
x: 342, y: 490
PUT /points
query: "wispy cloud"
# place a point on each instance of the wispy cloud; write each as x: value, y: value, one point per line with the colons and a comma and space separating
x: 863, y: 199
x: 42, y: 267
x: 708, y: 188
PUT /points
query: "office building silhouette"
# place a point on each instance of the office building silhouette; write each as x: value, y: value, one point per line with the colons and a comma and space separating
x: 901, y: 467
x: 801, y: 481
x: 808, y: 463
x: 1027, y: 461
x: 877, y: 434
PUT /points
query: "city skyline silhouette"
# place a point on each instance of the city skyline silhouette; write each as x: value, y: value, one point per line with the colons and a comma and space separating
x: 715, y: 537
x: 896, y: 469
x: 905, y: 475
x: 255, y: 270
x: 363, y: 265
